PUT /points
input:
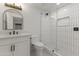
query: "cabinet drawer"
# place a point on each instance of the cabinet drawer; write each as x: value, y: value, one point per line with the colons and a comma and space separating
x: 19, y: 39
x: 4, y: 41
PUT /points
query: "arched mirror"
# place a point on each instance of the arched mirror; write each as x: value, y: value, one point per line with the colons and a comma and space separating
x: 12, y: 20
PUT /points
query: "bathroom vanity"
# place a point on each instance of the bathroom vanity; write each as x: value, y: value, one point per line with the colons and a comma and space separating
x: 15, y: 45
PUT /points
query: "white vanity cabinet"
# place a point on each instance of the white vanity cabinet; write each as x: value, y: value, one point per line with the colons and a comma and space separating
x: 5, y: 50
x: 5, y: 46
x: 15, y: 46
x: 21, y: 49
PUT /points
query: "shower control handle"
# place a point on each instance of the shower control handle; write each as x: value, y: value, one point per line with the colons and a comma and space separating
x: 76, y: 29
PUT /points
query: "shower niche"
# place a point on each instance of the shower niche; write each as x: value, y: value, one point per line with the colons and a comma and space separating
x: 12, y: 20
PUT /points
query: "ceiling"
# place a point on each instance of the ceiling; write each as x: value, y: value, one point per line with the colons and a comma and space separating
x: 48, y: 6
x: 45, y: 6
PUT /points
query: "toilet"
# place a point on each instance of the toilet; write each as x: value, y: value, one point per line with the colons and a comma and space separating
x: 36, y: 46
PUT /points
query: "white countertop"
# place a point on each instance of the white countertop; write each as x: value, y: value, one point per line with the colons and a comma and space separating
x: 19, y: 35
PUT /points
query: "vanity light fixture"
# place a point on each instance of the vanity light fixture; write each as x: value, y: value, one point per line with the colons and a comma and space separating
x: 13, y: 5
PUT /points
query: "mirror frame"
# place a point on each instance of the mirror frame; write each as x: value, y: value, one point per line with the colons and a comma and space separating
x: 5, y: 21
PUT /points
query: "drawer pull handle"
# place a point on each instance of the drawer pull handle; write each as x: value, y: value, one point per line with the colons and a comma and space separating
x: 12, y: 48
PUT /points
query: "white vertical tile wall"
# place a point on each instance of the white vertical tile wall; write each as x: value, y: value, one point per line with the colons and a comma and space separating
x: 67, y: 39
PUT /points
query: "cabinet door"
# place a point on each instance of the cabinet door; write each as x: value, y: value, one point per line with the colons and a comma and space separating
x: 22, y: 48
x: 5, y: 50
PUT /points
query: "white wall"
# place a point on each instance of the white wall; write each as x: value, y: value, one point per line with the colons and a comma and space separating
x: 31, y: 19
x: 48, y: 30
